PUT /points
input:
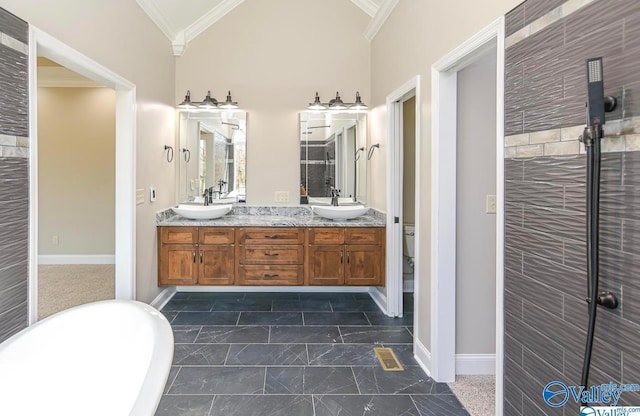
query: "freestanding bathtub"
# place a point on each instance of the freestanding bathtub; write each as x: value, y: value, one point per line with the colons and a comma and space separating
x: 108, y: 358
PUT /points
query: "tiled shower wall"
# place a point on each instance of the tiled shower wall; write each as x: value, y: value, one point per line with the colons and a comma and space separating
x: 548, y: 42
x: 14, y: 174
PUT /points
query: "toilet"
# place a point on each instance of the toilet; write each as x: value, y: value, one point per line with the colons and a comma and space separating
x: 408, y: 251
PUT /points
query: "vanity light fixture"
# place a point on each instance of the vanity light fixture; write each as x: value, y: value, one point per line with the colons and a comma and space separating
x: 209, y: 103
x: 337, y: 104
x: 229, y: 104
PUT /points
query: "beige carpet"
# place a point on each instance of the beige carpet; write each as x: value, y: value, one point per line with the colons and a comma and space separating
x: 476, y: 393
x: 61, y: 287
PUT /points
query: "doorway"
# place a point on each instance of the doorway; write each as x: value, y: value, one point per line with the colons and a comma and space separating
x: 444, y: 205
x: 76, y: 219
x: 43, y: 45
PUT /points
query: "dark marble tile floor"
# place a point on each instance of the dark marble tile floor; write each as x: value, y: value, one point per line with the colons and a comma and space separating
x: 294, y: 354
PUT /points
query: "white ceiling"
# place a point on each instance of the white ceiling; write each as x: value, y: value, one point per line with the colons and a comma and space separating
x: 182, y: 21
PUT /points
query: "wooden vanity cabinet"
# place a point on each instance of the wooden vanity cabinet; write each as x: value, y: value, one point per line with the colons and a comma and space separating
x: 196, y: 256
x: 346, y: 256
x: 271, y: 256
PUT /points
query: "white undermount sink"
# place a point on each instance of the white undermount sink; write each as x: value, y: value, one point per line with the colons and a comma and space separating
x: 340, y: 213
x: 202, y: 212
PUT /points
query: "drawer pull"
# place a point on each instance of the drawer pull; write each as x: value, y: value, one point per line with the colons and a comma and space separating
x: 348, y: 257
x: 272, y: 237
x: 194, y: 256
x: 341, y: 257
x: 270, y: 275
x: 201, y: 253
x: 271, y: 254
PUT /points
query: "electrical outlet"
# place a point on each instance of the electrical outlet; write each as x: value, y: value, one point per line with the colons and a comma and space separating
x: 55, y: 240
x: 282, y: 196
x: 491, y: 205
x: 139, y: 196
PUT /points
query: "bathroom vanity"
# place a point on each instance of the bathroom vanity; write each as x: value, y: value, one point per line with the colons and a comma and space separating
x: 299, y: 249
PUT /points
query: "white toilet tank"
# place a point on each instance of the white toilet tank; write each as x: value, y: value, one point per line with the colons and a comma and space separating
x: 409, y: 239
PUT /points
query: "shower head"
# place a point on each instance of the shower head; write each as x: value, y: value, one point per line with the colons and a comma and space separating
x: 597, y: 103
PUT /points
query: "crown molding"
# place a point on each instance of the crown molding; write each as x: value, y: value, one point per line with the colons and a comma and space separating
x: 367, y: 6
x: 157, y: 17
x: 179, y: 44
x: 385, y: 10
x: 209, y: 18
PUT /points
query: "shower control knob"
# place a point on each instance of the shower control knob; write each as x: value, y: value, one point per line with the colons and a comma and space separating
x: 608, y: 300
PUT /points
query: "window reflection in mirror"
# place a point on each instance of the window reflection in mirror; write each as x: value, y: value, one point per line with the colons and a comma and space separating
x: 212, y: 156
x: 332, y: 157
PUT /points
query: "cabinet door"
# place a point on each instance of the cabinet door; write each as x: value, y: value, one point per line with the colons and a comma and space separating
x: 217, y: 266
x: 326, y: 265
x: 363, y: 265
x: 178, y: 265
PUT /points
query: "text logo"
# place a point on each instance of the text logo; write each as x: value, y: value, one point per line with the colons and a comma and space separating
x: 557, y: 394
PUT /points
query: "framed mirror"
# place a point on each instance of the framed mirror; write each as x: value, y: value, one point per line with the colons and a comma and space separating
x: 333, y: 157
x: 212, y: 156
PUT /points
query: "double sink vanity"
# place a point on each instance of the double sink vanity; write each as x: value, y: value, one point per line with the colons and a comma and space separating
x: 312, y: 244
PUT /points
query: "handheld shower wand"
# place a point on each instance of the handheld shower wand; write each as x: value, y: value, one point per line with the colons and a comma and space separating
x: 597, y: 106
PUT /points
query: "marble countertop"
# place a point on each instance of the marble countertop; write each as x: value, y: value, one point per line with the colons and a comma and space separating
x: 271, y: 217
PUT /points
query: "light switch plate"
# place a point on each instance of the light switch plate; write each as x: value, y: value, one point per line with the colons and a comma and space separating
x: 491, y: 204
x: 282, y: 196
x: 139, y: 196
x: 153, y: 196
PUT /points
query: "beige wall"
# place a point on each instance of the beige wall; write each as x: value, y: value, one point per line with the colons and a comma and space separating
x: 416, y: 35
x: 273, y: 56
x: 76, y: 170
x: 475, y: 229
x: 120, y: 36
x: 409, y: 168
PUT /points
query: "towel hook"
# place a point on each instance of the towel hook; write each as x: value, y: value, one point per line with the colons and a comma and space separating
x: 169, y: 150
x: 371, y: 150
x: 187, y: 155
x: 358, y: 153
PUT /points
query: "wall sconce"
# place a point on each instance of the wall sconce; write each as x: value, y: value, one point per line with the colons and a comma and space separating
x: 209, y: 103
x: 337, y: 104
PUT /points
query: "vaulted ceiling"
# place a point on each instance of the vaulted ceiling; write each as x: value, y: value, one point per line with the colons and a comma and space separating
x: 182, y: 21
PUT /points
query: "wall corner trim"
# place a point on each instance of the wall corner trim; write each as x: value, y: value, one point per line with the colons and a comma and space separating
x: 475, y: 364
x: 422, y: 356
x: 77, y: 259
x: 379, y: 298
x: 380, y: 18
x: 163, y: 297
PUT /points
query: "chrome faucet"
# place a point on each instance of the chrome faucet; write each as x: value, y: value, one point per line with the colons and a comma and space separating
x: 208, y: 195
x: 335, y: 193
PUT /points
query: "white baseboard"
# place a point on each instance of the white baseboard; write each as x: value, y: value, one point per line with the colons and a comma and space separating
x: 407, y: 286
x: 422, y: 356
x: 76, y: 259
x: 163, y: 297
x: 379, y: 298
x: 336, y: 289
x: 475, y: 364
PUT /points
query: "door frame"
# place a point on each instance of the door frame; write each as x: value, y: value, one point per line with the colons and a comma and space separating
x: 125, y: 180
x: 443, y: 202
x: 395, y: 161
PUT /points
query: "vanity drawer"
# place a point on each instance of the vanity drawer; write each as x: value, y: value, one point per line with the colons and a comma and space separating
x: 326, y: 235
x: 364, y: 235
x: 271, y: 255
x: 270, y: 275
x: 270, y: 236
x: 217, y: 235
x: 179, y: 235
